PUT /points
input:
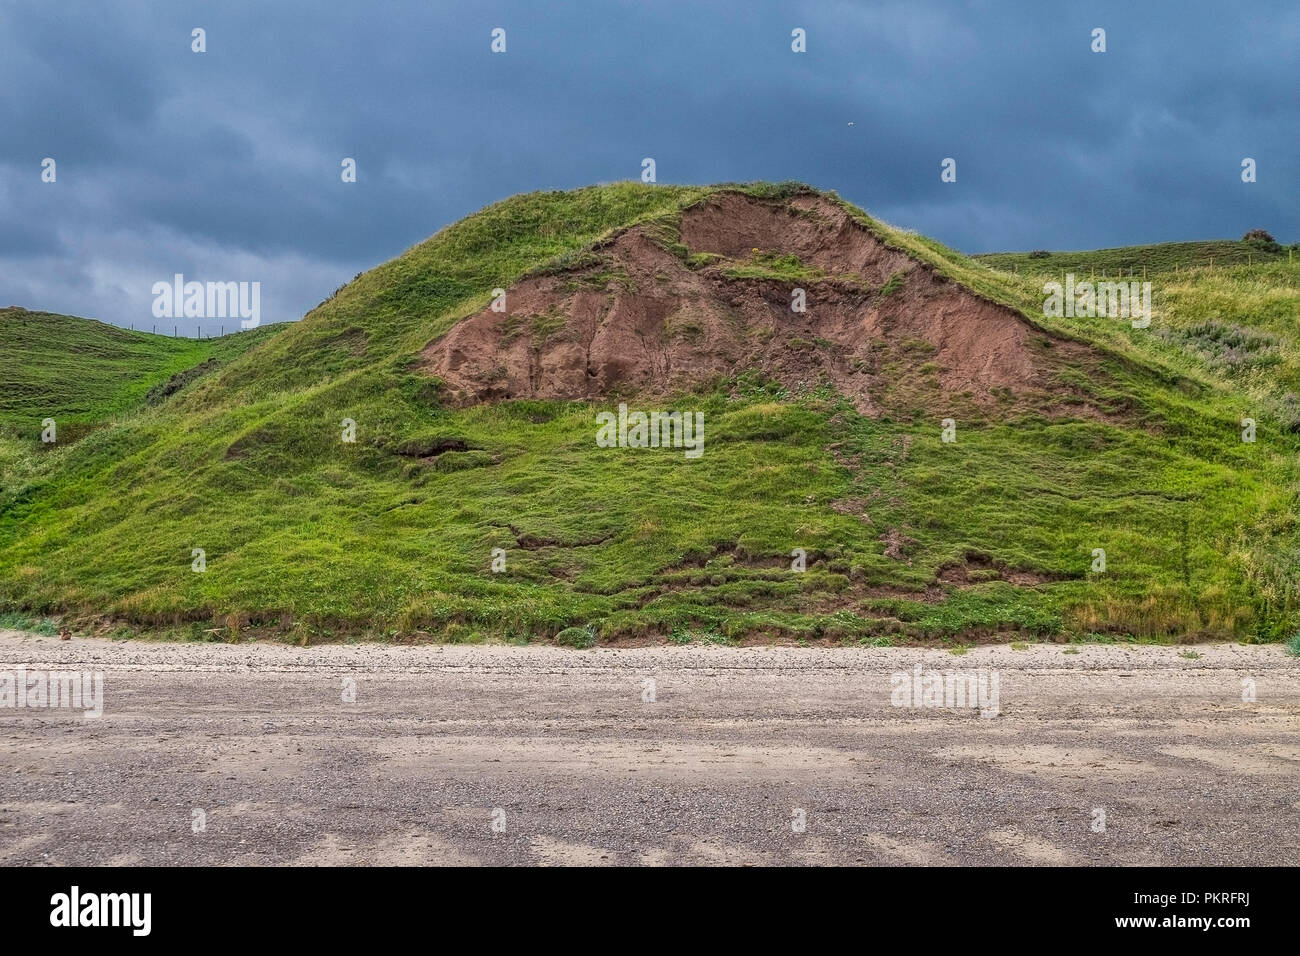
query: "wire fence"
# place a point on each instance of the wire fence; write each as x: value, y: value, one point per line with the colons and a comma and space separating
x: 197, y: 332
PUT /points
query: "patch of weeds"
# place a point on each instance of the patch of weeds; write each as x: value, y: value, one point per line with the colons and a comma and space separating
x: 1226, y: 347
x: 463, y: 634
x: 569, y: 261
x: 21, y: 622
x: 880, y: 640
x: 511, y: 326
x: 754, y: 384
x: 614, y: 276
x: 580, y: 638
x: 698, y: 260
x: 769, y: 265
x: 916, y: 346
x: 892, y: 284
x: 545, y: 326
x: 680, y: 635
x: 683, y: 635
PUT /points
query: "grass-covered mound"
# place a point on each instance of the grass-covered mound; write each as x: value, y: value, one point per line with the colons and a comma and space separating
x: 906, y: 537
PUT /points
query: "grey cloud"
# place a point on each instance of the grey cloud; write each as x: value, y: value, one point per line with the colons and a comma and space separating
x: 230, y: 159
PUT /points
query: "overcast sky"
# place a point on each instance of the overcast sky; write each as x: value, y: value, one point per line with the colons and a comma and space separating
x: 225, y: 165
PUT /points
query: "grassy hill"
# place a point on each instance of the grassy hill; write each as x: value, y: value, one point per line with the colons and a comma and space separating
x: 1159, y: 257
x: 907, y: 538
x: 87, y: 375
x: 83, y: 373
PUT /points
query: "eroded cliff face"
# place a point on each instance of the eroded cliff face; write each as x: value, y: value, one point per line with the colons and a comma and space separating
x: 643, y: 320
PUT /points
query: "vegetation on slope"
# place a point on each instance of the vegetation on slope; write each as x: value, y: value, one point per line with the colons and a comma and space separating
x: 906, y: 537
x: 86, y: 375
x: 1143, y: 260
x: 82, y: 372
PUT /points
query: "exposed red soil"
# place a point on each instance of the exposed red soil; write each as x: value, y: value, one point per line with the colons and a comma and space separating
x: 645, y: 322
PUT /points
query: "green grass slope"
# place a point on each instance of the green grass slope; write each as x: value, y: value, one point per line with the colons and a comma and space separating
x: 82, y: 372
x: 1159, y: 257
x: 907, y: 538
x: 85, y: 375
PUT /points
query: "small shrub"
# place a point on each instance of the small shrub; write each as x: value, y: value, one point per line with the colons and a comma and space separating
x: 1227, y: 348
x: 1261, y: 239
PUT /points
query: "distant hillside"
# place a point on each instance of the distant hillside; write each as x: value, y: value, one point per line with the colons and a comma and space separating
x: 1238, y: 322
x: 1160, y: 257
x: 476, y: 444
x: 81, y: 372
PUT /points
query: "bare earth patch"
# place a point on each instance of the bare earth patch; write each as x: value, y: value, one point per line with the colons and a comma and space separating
x: 878, y: 323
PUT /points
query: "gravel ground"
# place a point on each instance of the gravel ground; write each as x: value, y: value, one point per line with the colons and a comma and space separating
x: 508, y: 755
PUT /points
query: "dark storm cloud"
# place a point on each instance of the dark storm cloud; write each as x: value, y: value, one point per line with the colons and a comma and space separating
x: 225, y: 165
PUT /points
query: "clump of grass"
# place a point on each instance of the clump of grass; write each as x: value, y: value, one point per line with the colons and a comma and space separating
x: 576, y: 637
x: 771, y: 265
x: 12, y: 620
x: 892, y: 284
x: 699, y: 260
x: 877, y: 640
x: 680, y: 635
x: 545, y: 326
x: 684, y: 635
